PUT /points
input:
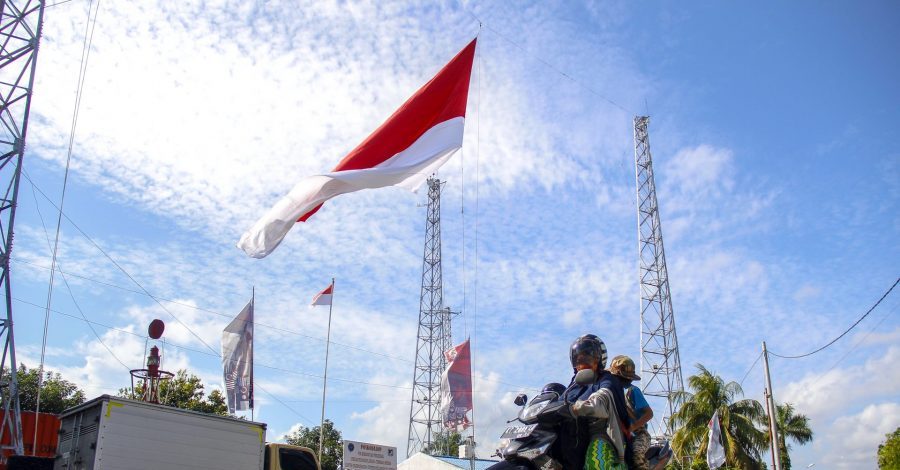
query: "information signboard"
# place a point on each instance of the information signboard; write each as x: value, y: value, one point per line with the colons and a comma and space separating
x: 365, y: 456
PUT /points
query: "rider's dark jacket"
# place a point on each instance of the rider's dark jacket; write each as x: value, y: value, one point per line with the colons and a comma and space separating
x: 574, y: 436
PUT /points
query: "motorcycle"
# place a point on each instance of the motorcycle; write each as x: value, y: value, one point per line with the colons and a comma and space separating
x: 535, y: 444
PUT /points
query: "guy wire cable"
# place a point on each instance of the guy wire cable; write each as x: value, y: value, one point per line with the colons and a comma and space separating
x: 82, y: 70
x: 66, y: 280
x: 741, y: 383
x: 545, y: 62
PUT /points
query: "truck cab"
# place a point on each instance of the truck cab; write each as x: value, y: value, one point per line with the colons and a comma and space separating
x: 288, y: 457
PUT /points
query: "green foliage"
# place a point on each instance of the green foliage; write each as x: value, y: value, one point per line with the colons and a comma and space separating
x: 790, y: 426
x: 445, y: 443
x: 309, y: 437
x: 186, y: 392
x: 889, y: 451
x: 57, y: 394
x: 700, y: 464
x: 742, y: 441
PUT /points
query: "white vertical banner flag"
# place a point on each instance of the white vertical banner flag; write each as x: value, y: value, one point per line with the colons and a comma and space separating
x: 715, y: 453
x: 237, y: 360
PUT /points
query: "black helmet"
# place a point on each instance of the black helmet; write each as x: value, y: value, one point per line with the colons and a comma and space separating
x: 590, y: 346
x: 554, y: 387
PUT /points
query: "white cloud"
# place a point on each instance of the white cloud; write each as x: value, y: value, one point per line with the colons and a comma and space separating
x: 815, y: 393
x: 876, y: 338
x: 701, y: 170
x: 852, y: 441
x: 806, y: 292
x: 572, y: 317
x: 850, y: 409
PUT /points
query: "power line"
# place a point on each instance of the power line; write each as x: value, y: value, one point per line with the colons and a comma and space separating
x: 852, y: 348
x: 265, y: 366
x: 117, y: 265
x: 200, y: 351
x: 845, y: 331
x: 202, y: 309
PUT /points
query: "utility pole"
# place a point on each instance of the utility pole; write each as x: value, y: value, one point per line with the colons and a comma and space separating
x: 20, y: 32
x: 425, y: 423
x: 660, y: 361
x: 770, y: 404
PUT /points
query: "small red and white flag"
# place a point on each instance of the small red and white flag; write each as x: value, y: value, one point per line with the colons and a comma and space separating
x: 412, y: 144
x: 324, y: 297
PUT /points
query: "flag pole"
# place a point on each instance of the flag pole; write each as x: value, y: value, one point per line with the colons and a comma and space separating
x: 325, y: 375
x: 253, y: 318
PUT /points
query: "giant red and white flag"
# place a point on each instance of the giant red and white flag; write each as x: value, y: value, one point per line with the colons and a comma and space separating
x: 411, y: 145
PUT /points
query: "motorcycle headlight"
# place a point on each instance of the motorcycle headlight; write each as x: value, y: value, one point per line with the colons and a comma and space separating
x: 530, y: 413
x: 501, y: 449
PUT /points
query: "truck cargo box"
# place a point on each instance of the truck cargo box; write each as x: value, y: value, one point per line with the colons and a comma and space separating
x: 48, y: 425
x: 111, y: 433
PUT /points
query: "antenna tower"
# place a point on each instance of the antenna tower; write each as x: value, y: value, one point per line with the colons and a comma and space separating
x: 660, y: 363
x: 20, y: 33
x: 425, y: 422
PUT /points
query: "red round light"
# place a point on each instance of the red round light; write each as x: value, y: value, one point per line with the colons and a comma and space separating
x: 156, y: 328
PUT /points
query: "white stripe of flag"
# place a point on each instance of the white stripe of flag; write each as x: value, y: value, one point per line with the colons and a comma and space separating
x: 324, y: 297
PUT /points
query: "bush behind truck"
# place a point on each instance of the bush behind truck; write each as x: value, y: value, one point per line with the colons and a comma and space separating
x: 117, y: 433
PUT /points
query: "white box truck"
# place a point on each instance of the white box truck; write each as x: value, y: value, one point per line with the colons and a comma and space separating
x: 111, y: 433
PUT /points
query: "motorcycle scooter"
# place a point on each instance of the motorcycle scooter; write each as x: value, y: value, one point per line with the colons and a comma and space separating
x: 534, y: 445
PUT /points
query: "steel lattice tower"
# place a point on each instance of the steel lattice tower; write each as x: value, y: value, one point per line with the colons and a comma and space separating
x: 20, y: 32
x: 424, y: 411
x: 660, y: 362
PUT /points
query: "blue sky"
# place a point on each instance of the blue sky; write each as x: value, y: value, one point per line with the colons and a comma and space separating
x: 773, y: 132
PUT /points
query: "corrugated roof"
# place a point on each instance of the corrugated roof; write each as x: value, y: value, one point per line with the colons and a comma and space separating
x: 480, y: 464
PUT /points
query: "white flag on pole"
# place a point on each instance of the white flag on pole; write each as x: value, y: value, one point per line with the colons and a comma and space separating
x: 237, y: 360
x: 715, y: 453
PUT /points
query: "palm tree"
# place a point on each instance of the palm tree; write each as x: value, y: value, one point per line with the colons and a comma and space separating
x: 742, y: 441
x: 790, y: 425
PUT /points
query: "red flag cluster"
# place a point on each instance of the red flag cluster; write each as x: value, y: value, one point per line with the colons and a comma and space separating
x: 456, y: 387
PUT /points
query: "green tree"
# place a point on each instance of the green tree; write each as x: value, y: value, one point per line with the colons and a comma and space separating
x: 889, y: 451
x: 186, y: 392
x: 445, y: 443
x: 742, y: 441
x: 309, y: 437
x: 57, y: 394
x: 793, y: 426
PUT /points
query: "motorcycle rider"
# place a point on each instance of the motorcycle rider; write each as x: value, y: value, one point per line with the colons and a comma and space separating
x: 639, y: 411
x: 603, y: 401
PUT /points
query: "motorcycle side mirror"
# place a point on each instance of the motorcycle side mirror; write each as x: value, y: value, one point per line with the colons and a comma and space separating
x: 585, y: 377
x: 521, y: 399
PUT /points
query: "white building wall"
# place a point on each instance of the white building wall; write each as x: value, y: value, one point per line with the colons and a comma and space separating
x: 422, y: 461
